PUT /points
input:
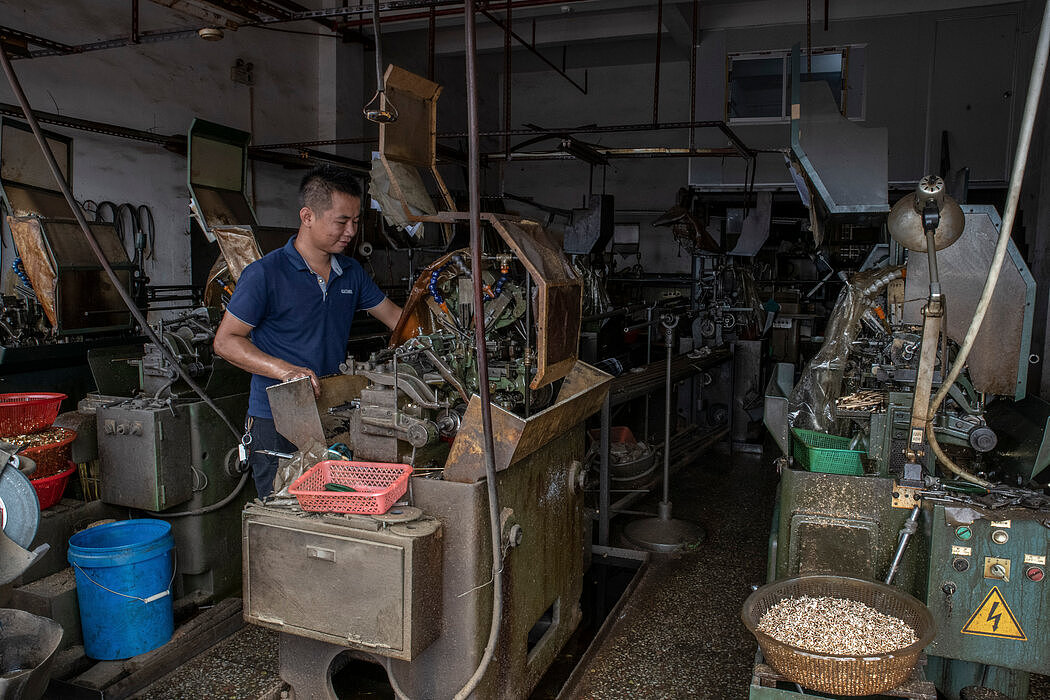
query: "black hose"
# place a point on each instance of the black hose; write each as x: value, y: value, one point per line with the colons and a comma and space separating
x: 214, y: 506
x: 16, y: 87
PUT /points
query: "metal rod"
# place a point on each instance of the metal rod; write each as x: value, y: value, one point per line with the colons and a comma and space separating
x: 134, y: 21
x: 553, y: 131
x: 669, y: 340
x: 536, y: 52
x: 907, y: 530
x: 656, y: 70
x: 506, y: 81
x: 604, y: 480
x: 692, y: 72
x: 474, y: 177
x: 528, y: 344
x: 431, y: 42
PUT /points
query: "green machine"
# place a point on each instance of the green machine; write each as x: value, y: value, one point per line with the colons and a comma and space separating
x: 878, y: 502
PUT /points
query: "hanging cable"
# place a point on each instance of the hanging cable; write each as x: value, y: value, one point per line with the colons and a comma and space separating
x: 379, y: 109
x: 1024, y: 141
x: 30, y: 117
x: 474, y: 176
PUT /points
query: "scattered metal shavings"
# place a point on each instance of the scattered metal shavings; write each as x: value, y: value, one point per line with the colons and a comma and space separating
x: 44, y: 437
x: 828, y: 625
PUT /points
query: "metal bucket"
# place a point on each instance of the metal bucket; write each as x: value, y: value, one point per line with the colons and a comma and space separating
x: 27, y: 644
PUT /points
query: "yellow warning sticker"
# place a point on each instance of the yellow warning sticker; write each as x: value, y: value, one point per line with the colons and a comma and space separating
x: 993, y: 618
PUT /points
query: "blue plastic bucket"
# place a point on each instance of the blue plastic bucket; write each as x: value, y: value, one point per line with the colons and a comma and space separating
x: 124, y: 572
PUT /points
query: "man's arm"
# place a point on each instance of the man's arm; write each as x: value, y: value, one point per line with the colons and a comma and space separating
x: 388, y: 312
x: 233, y: 345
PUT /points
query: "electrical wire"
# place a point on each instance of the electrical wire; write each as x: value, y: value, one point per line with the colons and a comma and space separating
x: 56, y: 173
x: 1035, y: 87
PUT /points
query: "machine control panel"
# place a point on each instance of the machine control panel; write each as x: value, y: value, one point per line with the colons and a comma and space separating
x: 985, y: 585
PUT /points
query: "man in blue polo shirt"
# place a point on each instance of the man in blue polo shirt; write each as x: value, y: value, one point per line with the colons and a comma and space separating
x: 291, y: 312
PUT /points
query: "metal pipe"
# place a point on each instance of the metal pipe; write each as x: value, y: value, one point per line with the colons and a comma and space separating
x: 659, y: 46
x: 474, y: 176
x: 907, y: 530
x: 692, y: 72
x: 555, y: 132
x: 536, y: 52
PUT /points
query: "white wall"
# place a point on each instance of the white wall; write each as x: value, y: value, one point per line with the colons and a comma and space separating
x: 161, y: 87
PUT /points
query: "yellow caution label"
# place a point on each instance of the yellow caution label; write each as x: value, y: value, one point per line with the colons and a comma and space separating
x: 993, y: 618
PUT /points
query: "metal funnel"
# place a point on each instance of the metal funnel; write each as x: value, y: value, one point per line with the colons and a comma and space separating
x: 27, y: 644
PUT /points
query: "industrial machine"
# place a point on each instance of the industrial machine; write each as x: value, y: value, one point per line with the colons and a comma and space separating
x: 413, y: 589
x: 161, y: 448
x: 970, y: 539
x: 58, y: 302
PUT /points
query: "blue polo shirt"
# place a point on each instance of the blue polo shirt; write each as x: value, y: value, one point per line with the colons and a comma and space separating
x: 296, y: 317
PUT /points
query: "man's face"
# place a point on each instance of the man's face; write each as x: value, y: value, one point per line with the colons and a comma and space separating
x: 333, y: 229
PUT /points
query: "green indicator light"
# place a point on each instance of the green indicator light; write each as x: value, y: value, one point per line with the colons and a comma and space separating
x: 963, y: 533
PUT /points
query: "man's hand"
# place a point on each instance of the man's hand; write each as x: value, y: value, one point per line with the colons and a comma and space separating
x: 294, y: 372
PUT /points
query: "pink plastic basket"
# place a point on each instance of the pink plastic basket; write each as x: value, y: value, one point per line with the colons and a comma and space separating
x: 28, y: 413
x: 377, y: 486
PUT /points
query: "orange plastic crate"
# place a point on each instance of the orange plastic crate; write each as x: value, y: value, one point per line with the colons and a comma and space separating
x: 377, y: 486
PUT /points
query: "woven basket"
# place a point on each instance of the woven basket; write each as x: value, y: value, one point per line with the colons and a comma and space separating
x: 830, y: 673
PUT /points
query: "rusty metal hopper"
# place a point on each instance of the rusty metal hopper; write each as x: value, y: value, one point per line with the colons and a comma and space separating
x: 516, y: 438
x: 409, y: 143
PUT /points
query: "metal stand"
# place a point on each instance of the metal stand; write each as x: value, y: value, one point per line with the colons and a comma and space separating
x: 664, y: 533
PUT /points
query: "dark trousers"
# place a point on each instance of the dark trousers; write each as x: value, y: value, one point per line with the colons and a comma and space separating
x: 264, y: 467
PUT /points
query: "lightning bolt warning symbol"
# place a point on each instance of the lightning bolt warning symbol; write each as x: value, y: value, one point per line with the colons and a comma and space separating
x: 993, y: 618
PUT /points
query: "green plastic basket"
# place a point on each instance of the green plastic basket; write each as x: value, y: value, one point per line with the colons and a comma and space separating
x: 829, y: 454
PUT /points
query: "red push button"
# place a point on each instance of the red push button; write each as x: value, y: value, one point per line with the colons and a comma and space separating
x: 1034, y: 573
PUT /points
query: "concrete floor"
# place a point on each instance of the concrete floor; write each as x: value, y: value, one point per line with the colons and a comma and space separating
x: 680, y: 635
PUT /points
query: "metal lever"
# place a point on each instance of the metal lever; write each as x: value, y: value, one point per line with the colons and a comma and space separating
x: 272, y: 453
x: 999, y: 571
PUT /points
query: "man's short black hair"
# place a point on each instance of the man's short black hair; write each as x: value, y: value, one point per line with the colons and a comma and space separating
x: 317, y: 186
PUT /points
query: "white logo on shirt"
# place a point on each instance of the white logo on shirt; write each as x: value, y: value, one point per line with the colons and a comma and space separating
x: 346, y: 291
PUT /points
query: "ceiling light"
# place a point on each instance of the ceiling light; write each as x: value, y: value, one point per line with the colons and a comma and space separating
x: 210, y: 33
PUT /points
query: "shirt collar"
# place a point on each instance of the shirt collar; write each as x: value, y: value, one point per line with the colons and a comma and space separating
x: 297, y: 261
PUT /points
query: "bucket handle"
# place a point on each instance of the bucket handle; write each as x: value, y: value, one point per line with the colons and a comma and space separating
x: 155, y: 596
